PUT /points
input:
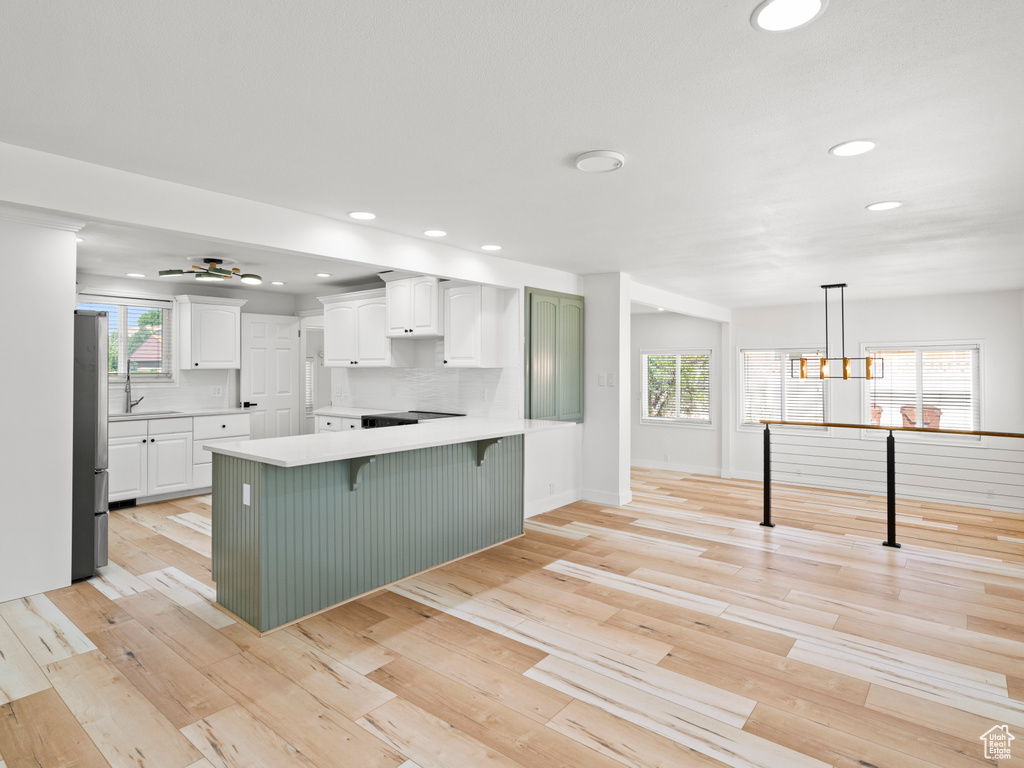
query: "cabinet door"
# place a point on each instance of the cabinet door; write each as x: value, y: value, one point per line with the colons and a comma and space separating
x: 127, y: 467
x: 170, y: 463
x: 543, y: 357
x: 215, y: 336
x: 569, y: 371
x: 462, y: 327
x: 423, y: 314
x: 341, y: 334
x: 554, y: 356
x: 399, y: 303
x: 373, y: 344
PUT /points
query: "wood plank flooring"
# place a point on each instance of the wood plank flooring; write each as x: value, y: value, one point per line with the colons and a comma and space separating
x: 673, y: 631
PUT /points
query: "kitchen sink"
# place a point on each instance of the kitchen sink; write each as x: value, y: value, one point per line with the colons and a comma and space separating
x: 142, y: 414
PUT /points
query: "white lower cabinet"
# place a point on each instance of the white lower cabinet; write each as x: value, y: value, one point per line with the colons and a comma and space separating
x: 148, y: 458
x: 207, y: 430
x: 128, y: 461
x: 336, y: 424
x: 170, y: 463
x: 159, y: 457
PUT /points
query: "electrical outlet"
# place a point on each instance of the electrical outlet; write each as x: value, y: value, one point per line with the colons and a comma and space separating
x: 602, y: 379
x: 337, y: 390
x: 218, y: 392
x: 611, y: 379
x: 665, y: 457
x: 551, y: 489
x: 483, y: 394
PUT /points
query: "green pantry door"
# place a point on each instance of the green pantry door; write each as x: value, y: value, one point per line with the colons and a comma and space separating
x: 554, y: 355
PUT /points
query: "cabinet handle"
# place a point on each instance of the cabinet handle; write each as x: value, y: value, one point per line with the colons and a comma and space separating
x: 152, y: 439
x: 197, y: 365
x: 223, y: 426
x: 328, y: 423
x: 143, y: 439
x: 446, y: 362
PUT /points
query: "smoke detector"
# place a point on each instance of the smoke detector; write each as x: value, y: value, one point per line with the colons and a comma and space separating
x: 600, y: 161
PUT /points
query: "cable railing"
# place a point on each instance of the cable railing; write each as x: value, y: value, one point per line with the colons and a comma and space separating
x: 989, y: 476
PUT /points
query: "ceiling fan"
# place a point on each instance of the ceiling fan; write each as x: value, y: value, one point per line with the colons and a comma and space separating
x: 212, y: 271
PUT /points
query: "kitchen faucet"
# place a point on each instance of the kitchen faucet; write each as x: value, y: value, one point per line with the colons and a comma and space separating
x: 128, y: 402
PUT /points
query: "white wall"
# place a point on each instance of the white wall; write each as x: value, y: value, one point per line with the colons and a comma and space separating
x: 36, y: 393
x: 679, y: 447
x: 606, y: 426
x: 994, y: 319
x: 957, y: 472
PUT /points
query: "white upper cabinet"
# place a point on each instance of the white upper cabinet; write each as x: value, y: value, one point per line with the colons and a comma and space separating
x: 355, y: 330
x: 210, y: 332
x: 472, y: 321
x: 413, y: 307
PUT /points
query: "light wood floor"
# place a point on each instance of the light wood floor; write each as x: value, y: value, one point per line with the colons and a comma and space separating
x: 673, y: 631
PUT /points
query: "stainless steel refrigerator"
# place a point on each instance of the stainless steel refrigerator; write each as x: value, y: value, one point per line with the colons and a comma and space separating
x: 89, y: 467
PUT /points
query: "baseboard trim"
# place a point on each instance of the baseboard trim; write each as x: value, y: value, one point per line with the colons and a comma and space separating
x: 691, y: 469
x: 604, y: 497
x: 548, y: 503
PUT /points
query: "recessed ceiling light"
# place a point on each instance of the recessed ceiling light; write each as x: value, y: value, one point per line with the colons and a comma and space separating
x: 134, y: 274
x: 323, y: 274
x: 851, y: 148
x: 435, y: 233
x: 661, y: 309
x: 79, y: 239
x: 886, y: 205
x: 365, y: 215
x: 490, y: 247
x: 782, y: 15
x: 276, y: 282
x: 600, y: 161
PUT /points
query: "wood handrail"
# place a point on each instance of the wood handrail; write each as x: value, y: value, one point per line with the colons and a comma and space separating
x: 893, y: 429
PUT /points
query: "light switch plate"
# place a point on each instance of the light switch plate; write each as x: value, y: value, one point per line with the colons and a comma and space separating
x: 246, y: 495
x: 602, y: 379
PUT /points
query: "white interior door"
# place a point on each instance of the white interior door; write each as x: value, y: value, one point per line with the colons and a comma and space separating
x: 270, y: 375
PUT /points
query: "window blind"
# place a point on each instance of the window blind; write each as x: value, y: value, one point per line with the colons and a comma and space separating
x: 770, y: 393
x: 310, y: 384
x: 139, y: 335
x: 677, y: 386
x: 927, y: 386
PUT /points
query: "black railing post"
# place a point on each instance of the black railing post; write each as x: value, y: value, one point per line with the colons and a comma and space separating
x: 767, y: 478
x: 890, y: 477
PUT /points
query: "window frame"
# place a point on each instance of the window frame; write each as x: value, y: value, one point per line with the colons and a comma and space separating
x: 752, y: 426
x: 124, y: 300
x: 677, y: 421
x: 919, y: 347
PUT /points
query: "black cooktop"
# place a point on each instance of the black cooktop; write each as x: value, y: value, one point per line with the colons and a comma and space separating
x: 419, y: 415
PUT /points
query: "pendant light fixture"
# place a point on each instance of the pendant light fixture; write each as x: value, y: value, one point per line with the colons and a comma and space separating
x: 873, y: 367
x: 212, y: 271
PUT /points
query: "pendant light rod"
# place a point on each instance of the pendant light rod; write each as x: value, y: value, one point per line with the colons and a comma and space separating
x: 842, y: 314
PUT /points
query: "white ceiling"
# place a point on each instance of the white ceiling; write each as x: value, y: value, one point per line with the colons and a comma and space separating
x: 466, y: 116
x: 113, y: 250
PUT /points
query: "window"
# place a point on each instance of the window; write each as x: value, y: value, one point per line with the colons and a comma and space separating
x: 310, y: 385
x: 677, y: 387
x: 771, y: 393
x: 138, y: 336
x: 926, y: 386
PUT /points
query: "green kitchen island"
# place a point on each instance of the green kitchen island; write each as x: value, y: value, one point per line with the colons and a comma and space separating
x: 301, y: 524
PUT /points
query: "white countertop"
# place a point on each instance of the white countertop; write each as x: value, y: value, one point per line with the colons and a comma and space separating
x: 335, y: 446
x: 141, y: 414
x: 350, y: 411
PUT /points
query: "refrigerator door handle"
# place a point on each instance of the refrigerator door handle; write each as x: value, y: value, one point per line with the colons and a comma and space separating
x: 102, y: 490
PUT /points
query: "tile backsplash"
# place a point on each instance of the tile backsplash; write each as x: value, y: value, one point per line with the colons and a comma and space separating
x: 492, y: 392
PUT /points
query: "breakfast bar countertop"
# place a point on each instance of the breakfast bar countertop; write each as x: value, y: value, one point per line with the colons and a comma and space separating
x: 300, y: 450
